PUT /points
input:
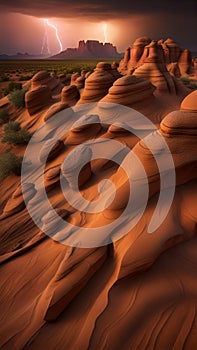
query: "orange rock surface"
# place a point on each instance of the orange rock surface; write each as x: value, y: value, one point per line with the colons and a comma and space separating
x: 138, y: 292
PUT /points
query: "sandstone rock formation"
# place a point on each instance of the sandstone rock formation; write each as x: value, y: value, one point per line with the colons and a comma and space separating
x: 78, y: 79
x: 74, y: 162
x: 173, y: 69
x: 139, y: 94
x: 48, y: 153
x: 50, y: 220
x: 183, y: 122
x: 185, y: 62
x: 139, y: 290
x: 64, y: 78
x: 45, y: 78
x: 70, y: 284
x: 154, y: 70
x: 133, y: 54
x: 55, y: 108
x: 16, y: 202
x: 70, y: 95
x: 87, y: 127
x: 38, y: 98
x: 98, y: 83
x: 179, y: 130
x: 130, y: 91
x: 167, y: 51
x: 52, y: 178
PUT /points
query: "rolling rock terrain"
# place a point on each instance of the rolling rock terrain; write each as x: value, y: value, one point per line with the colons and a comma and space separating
x: 140, y: 291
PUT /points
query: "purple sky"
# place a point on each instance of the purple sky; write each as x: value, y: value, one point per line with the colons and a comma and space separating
x: 22, y: 26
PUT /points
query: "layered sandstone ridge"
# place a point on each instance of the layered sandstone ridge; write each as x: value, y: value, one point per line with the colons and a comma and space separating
x: 167, y: 51
x: 113, y: 285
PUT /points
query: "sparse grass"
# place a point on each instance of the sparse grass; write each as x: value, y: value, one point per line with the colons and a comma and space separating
x: 4, y: 116
x: 185, y: 79
x: 193, y: 86
x: 4, y: 77
x: 17, y: 138
x: 25, y: 77
x: 17, y: 98
x: 60, y: 66
x: 10, y: 163
x: 12, y: 126
x: 12, y: 86
x: 13, y: 134
x: 188, y: 82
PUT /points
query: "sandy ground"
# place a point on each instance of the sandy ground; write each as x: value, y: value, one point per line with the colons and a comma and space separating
x: 138, y: 292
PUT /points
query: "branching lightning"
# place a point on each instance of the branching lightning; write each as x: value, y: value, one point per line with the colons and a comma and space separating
x: 45, y: 38
x: 45, y: 43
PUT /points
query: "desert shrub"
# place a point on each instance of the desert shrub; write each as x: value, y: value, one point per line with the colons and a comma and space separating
x: 19, y: 137
x: 25, y: 77
x: 13, y: 134
x: 9, y: 163
x: 185, y: 79
x: 193, y: 86
x: 17, y: 97
x: 12, y: 126
x: 12, y: 86
x: 4, y: 77
x: 4, y: 116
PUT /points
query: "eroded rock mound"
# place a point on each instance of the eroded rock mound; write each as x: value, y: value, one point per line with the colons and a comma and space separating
x: 45, y: 78
x: 17, y: 202
x: 55, y: 108
x: 111, y: 286
x: 183, y: 122
x: 74, y: 162
x: 37, y: 99
x: 87, y: 127
x: 130, y: 91
x: 167, y: 51
x: 70, y: 95
x: 98, y: 83
x: 154, y: 70
x: 49, y: 152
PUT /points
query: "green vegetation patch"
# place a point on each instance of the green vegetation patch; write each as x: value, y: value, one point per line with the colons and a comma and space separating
x: 13, y: 134
x: 10, y: 163
x: 4, y: 116
x: 17, y: 98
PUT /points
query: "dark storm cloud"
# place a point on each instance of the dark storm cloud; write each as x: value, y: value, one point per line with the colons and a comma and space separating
x: 98, y: 8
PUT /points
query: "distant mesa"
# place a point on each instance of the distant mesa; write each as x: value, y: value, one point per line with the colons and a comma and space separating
x: 89, y: 49
x: 85, y: 50
x: 21, y: 56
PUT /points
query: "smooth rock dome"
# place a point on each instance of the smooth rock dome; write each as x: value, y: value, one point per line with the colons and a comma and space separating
x: 190, y: 102
x: 144, y: 40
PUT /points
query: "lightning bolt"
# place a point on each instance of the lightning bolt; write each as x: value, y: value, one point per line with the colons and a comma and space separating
x: 47, y: 23
x: 45, y: 42
x: 105, y: 32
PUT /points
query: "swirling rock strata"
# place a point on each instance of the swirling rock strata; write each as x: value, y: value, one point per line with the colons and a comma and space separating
x: 70, y: 95
x: 37, y: 99
x: 98, y: 83
x: 45, y: 78
x: 167, y: 51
